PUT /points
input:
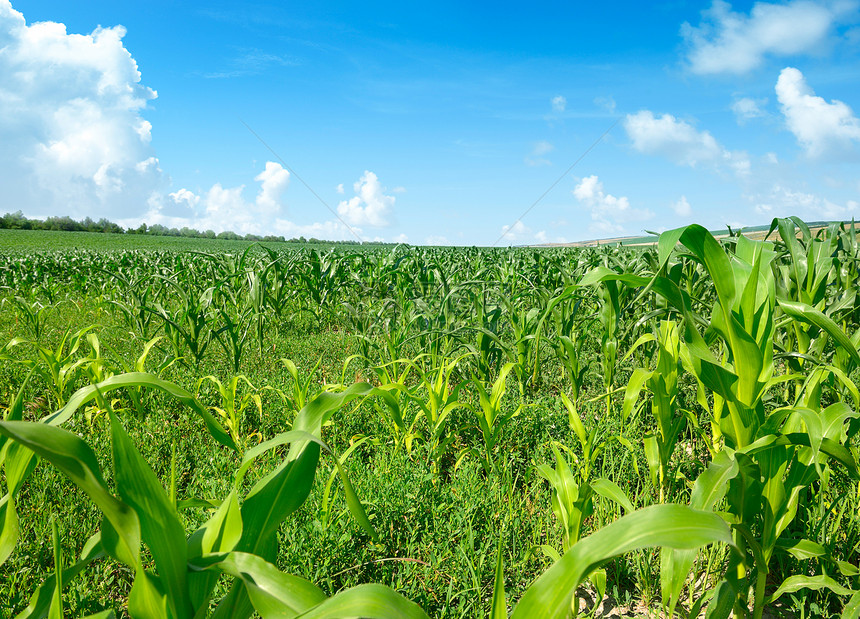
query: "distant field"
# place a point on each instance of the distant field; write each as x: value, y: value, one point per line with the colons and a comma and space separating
x: 757, y: 233
x: 49, y: 241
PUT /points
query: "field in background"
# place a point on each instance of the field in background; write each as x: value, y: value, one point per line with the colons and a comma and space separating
x: 53, y: 240
x: 758, y: 233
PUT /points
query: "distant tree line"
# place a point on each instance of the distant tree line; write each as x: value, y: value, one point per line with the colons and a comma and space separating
x: 17, y: 221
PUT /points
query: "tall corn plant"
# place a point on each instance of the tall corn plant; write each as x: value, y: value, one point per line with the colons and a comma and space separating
x: 762, y: 459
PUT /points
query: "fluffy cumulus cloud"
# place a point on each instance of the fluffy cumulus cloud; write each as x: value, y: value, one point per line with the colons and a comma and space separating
x: 559, y: 103
x: 783, y: 201
x: 823, y: 129
x: 273, y: 182
x: 609, y: 214
x: 370, y: 206
x: 681, y: 143
x: 730, y: 42
x: 74, y: 138
x: 226, y: 208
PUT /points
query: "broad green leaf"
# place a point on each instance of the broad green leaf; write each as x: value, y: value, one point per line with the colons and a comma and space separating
x: 146, y: 600
x: 273, y: 593
x: 160, y: 527
x: 140, y: 379
x: 821, y: 581
x: 852, y: 608
x: 371, y: 601
x: 8, y: 527
x: 70, y: 454
x: 801, y: 549
x: 610, y: 490
x: 674, y: 526
x: 498, y: 606
x: 222, y: 532
x: 810, y: 315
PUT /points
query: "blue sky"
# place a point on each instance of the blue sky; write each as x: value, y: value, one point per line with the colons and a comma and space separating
x: 431, y: 124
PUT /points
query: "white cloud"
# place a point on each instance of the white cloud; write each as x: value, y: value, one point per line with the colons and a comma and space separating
x: 730, y: 42
x: 436, y: 240
x: 540, y: 236
x: 517, y: 232
x: 680, y: 142
x: 536, y: 157
x: 400, y: 238
x: 74, y: 141
x: 274, y: 181
x: 682, y: 207
x: 187, y: 197
x: 559, y: 103
x: 746, y: 109
x: 608, y: 213
x: 370, y: 206
x: 226, y: 208
x: 339, y: 188
x: 782, y: 202
x: 822, y: 128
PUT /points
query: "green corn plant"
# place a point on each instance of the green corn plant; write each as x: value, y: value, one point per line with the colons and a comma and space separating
x: 255, y: 302
x: 608, y: 314
x: 139, y: 365
x: 491, y: 417
x: 190, y: 328
x: 237, y: 541
x: 574, y: 488
x: 437, y: 399
x: 667, y: 526
x: 300, y: 392
x: 525, y: 323
x: 59, y: 366
x: 233, y: 404
x: 662, y: 382
x: 567, y: 342
x: 488, y: 349
x: 33, y: 313
x: 397, y: 410
x: 232, y: 336
x: 772, y: 456
x: 132, y: 301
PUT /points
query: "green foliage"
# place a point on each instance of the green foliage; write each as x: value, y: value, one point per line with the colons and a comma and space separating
x: 494, y: 408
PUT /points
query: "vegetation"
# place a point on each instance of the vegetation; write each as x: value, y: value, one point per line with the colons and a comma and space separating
x: 18, y: 221
x: 389, y: 432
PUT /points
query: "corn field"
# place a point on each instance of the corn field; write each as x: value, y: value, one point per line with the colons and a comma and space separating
x: 416, y: 432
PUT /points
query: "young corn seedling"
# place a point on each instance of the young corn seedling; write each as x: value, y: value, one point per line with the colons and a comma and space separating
x: 233, y: 404
x: 58, y: 366
x: 33, y: 313
x: 491, y: 417
x: 302, y: 389
x: 662, y: 382
x: 437, y: 399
